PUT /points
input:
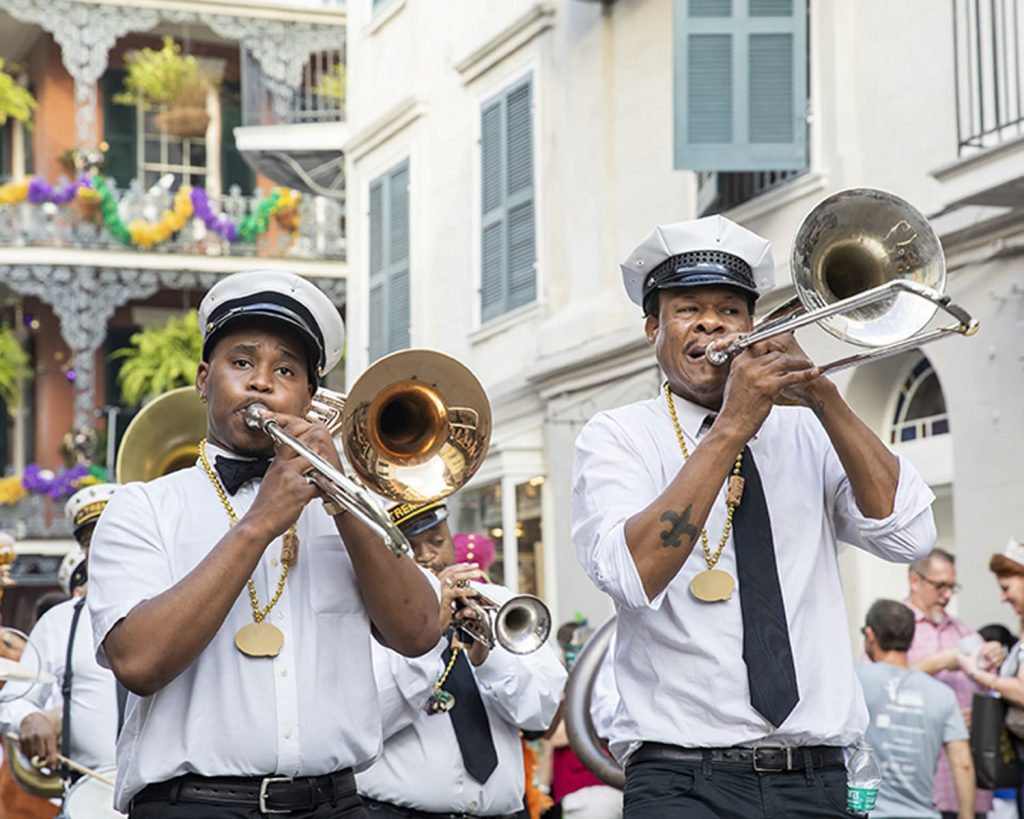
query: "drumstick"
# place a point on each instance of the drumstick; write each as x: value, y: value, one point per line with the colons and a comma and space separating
x: 75, y: 766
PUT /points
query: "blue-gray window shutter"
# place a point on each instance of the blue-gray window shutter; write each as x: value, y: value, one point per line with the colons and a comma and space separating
x: 389, y: 262
x: 740, y: 85
x: 508, y: 236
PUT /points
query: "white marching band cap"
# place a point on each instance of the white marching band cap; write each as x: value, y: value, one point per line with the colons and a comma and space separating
x: 72, y: 570
x: 86, y: 504
x: 281, y: 296
x: 712, y: 250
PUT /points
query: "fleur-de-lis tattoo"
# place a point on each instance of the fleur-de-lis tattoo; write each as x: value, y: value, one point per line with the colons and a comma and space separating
x: 680, y: 525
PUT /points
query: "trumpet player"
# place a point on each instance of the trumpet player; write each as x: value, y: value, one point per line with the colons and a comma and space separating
x: 712, y: 517
x: 229, y: 600
x: 452, y: 718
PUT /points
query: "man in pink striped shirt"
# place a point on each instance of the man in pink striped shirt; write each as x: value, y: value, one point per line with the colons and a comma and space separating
x: 936, y: 646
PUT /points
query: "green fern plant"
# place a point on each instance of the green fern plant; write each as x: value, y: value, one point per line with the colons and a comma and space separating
x: 160, y: 358
x: 15, y: 102
x: 163, y: 77
x: 13, y: 368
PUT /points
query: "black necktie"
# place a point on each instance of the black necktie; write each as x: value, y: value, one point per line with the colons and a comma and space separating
x: 234, y: 472
x: 469, y: 719
x: 766, y: 647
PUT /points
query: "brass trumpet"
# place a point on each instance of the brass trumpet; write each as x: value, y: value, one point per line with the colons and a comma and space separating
x: 521, y: 625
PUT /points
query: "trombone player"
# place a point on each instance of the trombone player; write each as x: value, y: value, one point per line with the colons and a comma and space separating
x: 451, y: 724
x: 712, y: 517
x: 229, y: 600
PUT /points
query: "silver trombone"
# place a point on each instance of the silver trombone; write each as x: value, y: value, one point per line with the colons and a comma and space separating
x: 521, y: 625
x: 870, y: 270
x: 414, y: 427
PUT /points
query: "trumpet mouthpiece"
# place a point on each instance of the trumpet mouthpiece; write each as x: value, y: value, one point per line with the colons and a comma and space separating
x: 254, y: 415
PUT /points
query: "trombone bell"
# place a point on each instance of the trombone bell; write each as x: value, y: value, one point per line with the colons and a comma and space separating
x: 859, y: 239
x: 869, y: 269
x: 416, y: 426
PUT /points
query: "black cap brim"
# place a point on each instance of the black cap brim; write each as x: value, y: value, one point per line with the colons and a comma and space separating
x: 421, y: 523
x: 702, y: 275
x: 294, y: 316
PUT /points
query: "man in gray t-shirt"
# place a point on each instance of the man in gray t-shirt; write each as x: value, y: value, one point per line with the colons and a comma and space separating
x: 912, y: 717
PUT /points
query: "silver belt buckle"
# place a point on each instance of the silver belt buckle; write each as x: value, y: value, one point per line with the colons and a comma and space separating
x: 789, y: 759
x: 266, y: 782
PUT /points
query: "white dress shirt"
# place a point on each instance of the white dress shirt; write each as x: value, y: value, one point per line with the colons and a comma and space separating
x: 310, y: 710
x: 679, y: 662
x: 421, y: 766
x: 93, y: 692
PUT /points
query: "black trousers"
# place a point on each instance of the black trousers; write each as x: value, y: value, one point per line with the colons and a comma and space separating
x: 351, y: 808
x: 659, y: 789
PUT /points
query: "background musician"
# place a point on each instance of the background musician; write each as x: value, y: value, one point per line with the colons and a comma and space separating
x: 712, y: 517
x: 467, y: 760
x: 83, y: 693
x: 231, y: 606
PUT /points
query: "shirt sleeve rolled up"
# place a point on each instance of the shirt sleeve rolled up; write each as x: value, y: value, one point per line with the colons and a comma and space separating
x: 611, y: 483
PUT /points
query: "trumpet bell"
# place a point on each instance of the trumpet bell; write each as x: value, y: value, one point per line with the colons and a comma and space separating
x: 163, y: 437
x: 523, y: 624
x: 861, y: 238
x: 416, y: 426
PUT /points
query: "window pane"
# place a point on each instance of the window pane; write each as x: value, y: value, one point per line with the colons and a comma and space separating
x: 153, y: 150
x: 528, y: 537
x: 927, y: 399
x: 479, y: 510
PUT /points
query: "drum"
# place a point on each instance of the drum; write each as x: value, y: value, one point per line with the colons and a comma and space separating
x: 89, y: 798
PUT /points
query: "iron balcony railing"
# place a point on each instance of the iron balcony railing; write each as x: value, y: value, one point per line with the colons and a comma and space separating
x: 988, y: 36
x: 319, y: 97
x: 314, y: 231
x: 722, y: 190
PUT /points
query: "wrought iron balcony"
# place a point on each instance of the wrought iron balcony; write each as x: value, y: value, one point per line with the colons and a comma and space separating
x: 318, y: 95
x: 317, y: 232
x: 35, y: 517
x: 988, y: 39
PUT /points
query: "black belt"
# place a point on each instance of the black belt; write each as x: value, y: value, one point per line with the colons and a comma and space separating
x: 763, y: 759
x: 269, y: 794
x: 413, y: 813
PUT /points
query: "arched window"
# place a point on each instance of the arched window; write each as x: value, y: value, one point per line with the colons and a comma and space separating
x: 920, y: 407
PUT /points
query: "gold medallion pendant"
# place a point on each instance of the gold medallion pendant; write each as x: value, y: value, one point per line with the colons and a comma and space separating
x: 712, y: 586
x: 259, y: 640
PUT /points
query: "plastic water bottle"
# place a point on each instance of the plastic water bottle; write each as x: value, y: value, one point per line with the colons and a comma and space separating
x: 863, y: 778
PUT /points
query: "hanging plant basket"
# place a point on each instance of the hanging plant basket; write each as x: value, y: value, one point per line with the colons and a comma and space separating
x: 184, y: 122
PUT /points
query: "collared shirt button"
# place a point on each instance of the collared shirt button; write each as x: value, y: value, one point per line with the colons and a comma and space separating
x: 471, y: 807
x: 280, y: 615
x: 287, y: 733
x: 284, y: 672
x: 273, y: 562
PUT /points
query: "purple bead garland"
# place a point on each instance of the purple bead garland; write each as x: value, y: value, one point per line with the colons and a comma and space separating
x: 218, y: 223
x: 40, y: 191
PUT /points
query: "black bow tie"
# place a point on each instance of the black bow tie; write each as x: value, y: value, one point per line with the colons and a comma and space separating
x: 234, y: 472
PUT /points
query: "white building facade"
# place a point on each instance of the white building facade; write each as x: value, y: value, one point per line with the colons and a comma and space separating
x: 505, y: 155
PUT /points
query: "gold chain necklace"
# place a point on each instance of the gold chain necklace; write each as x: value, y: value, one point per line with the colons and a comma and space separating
x: 257, y: 639
x: 711, y: 584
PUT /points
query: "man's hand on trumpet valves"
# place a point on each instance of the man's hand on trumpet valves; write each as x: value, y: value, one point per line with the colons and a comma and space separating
x: 454, y: 581
x: 285, y: 490
x: 760, y: 376
x: 38, y: 738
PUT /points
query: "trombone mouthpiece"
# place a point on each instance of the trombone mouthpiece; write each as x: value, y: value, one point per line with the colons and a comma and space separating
x: 253, y: 415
